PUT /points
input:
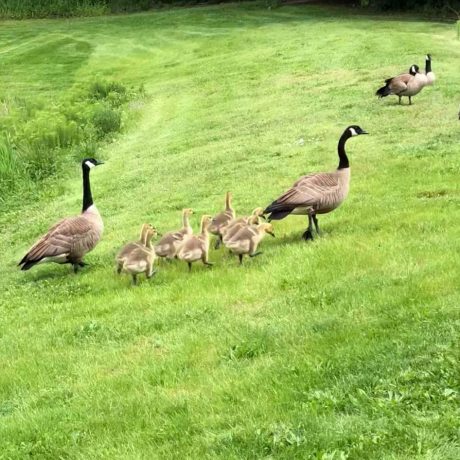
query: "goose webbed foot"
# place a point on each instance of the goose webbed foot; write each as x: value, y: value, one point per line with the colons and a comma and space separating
x: 308, y: 235
x: 208, y: 264
x: 255, y: 254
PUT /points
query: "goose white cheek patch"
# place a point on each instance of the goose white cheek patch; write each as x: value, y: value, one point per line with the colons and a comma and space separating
x: 353, y: 132
x: 89, y: 164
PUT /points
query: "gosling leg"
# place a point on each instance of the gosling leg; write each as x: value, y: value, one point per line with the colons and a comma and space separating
x: 410, y: 100
x: 189, y: 266
x: 399, y: 100
x: 218, y: 242
x: 134, y: 280
x: 258, y: 253
x: 206, y: 261
x: 240, y: 256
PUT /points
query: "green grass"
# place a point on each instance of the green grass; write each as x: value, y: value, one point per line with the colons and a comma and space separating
x: 342, y: 348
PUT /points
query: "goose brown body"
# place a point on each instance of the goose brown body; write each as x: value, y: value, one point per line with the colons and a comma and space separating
x: 406, y: 84
x: 72, y: 238
x: 169, y: 244
x: 196, y: 247
x: 317, y: 193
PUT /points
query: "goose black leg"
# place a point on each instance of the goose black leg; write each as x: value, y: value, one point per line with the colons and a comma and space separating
x: 399, y: 100
x: 189, y: 266
x: 75, y: 268
x: 134, y: 280
x: 410, y: 100
x: 315, y: 221
x: 240, y: 256
x: 308, y: 235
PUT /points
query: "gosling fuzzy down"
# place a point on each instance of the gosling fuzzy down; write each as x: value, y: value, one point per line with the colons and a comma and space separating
x: 169, y: 244
x: 222, y: 219
x: 247, y: 240
x: 196, y: 247
x: 129, y: 247
x: 141, y: 259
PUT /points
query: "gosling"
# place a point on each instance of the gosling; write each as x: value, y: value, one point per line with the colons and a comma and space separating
x: 141, y: 259
x: 222, y: 219
x: 196, y: 247
x: 169, y: 244
x: 232, y: 229
x: 247, y: 240
x: 129, y: 247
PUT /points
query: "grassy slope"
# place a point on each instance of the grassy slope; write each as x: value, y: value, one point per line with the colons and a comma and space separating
x: 343, y: 347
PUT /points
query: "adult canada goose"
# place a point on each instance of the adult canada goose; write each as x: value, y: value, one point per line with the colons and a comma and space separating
x: 141, y: 259
x: 69, y: 240
x: 196, y: 247
x: 430, y: 76
x: 247, y: 240
x: 129, y: 247
x: 317, y: 193
x: 222, y: 219
x: 233, y: 228
x: 169, y: 244
x: 406, y: 84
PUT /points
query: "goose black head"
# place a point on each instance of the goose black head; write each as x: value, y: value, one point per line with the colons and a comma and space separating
x: 414, y: 69
x: 89, y: 163
x: 355, y: 130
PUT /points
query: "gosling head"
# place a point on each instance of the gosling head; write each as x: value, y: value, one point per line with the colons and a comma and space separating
x: 187, y: 212
x: 414, y: 69
x: 90, y: 163
x: 355, y: 130
x: 267, y: 228
x: 206, y: 221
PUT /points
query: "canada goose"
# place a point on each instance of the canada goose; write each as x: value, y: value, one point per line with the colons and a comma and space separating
x: 406, y: 84
x: 430, y: 76
x: 234, y: 227
x: 169, y: 244
x: 317, y: 193
x: 247, y: 240
x: 70, y: 239
x: 222, y: 219
x: 196, y: 247
x: 127, y: 248
x: 141, y: 259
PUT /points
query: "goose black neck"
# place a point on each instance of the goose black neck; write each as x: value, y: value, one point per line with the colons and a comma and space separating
x: 427, y: 66
x: 87, y: 197
x: 343, y: 159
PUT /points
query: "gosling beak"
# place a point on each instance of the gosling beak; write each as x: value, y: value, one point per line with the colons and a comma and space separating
x: 263, y: 217
x: 272, y: 234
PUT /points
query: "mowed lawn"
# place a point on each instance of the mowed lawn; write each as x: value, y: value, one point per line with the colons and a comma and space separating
x: 344, y: 348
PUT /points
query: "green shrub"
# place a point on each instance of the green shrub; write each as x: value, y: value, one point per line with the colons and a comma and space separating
x: 106, y: 120
x: 37, y: 138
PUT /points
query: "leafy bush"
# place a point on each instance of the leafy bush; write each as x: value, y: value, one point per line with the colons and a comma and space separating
x: 37, y: 138
x: 106, y: 120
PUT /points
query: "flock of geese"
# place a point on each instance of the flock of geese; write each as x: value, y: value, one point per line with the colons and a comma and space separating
x: 69, y: 240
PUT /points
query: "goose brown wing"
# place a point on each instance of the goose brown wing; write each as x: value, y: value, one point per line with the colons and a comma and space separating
x: 74, y: 234
x: 399, y: 83
x: 307, y: 191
